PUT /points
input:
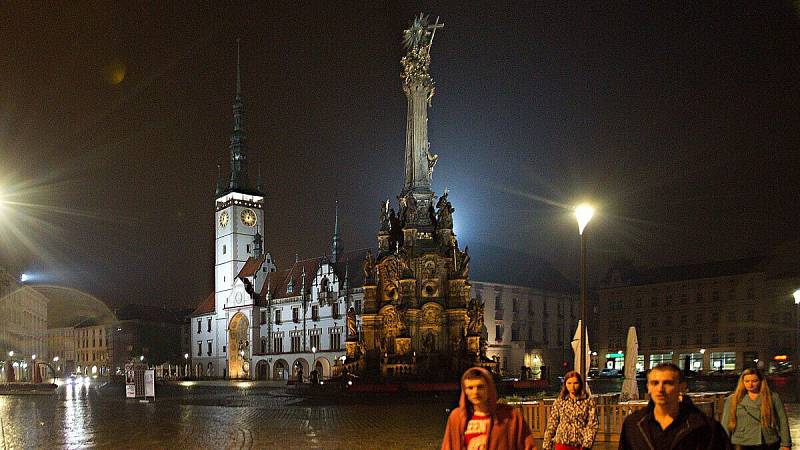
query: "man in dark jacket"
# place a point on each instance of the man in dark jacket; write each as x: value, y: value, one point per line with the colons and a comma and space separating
x: 668, y: 422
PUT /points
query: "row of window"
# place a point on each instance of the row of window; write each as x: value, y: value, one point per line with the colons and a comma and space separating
x: 668, y: 299
x: 84, y: 343
x: 200, y: 325
x: 515, y: 306
x: 225, y: 251
x: 96, y: 356
x: 296, y: 343
x: 296, y: 315
x: 775, y: 339
x: 516, y: 334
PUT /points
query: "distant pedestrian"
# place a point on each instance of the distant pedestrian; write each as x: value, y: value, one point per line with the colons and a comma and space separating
x: 754, y: 415
x: 572, y: 424
x: 480, y: 423
x: 669, y: 422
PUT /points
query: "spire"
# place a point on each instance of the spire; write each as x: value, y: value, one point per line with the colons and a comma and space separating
x: 259, y: 181
x: 336, y: 244
x: 238, y: 71
x: 238, y: 139
x: 220, y: 183
x: 257, y: 248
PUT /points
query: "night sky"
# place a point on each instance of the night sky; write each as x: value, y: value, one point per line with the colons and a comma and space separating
x: 679, y: 121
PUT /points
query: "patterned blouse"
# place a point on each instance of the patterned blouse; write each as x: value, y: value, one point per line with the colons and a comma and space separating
x: 571, y: 422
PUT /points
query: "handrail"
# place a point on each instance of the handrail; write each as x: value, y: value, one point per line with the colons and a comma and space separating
x: 610, y: 416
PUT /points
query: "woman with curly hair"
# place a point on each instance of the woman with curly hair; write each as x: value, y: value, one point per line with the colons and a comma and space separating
x: 754, y: 416
x: 573, y: 417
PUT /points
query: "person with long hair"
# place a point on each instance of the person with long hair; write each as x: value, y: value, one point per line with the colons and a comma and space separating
x: 572, y: 424
x: 754, y: 416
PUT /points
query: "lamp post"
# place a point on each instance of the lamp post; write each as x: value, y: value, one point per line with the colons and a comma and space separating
x: 796, y: 295
x: 56, y: 367
x: 583, y: 213
x: 10, y: 367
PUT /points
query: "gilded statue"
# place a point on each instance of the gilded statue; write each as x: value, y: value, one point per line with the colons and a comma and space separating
x: 462, y: 263
x: 368, y: 267
x: 474, y: 318
x: 351, y: 322
x: 444, y: 218
x: 385, y: 216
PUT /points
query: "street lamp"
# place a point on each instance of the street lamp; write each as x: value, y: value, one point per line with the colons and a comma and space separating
x: 583, y: 213
x: 11, y: 354
x: 796, y: 295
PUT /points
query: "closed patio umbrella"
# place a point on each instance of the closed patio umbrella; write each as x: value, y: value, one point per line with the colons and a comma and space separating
x: 630, y: 391
x: 576, y: 349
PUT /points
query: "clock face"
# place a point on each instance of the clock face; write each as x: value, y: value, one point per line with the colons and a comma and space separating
x: 249, y: 217
x: 223, y: 219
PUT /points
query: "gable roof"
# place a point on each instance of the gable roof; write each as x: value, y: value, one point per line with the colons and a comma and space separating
x: 251, y: 266
x: 279, y: 283
x: 347, y: 263
x: 207, y: 306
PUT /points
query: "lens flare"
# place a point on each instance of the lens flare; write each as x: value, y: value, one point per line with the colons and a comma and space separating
x: 114, y: 72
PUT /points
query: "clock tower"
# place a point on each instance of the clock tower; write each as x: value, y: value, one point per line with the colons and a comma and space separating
x: 239, y: 213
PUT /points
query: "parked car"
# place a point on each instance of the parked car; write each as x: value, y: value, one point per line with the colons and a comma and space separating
x: 608, y: 373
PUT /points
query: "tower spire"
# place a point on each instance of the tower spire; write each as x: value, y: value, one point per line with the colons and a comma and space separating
x: 259, y: 181
x: 238, y: 70
x: 336, y: 244
x: 238, y: 139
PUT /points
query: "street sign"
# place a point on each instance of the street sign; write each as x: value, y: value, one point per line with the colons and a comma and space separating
x: 130, y: 384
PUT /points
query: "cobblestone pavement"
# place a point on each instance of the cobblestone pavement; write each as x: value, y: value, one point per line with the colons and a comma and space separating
x: 229, y: 416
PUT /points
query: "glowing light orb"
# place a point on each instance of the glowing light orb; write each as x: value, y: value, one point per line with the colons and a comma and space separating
x: 114, y: 72
x: 583, y: 213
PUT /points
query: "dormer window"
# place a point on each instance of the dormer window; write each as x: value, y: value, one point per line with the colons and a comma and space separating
x: 289, y: 287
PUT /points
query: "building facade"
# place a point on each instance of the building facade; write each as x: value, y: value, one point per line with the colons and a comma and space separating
x: 93, y: 348
x: 717, y: 316
x: 258, y: 322
x: 23, y: 327
x: 61, y: 343
x: 529, y: 330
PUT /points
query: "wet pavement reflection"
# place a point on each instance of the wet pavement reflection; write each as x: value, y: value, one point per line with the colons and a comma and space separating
x: 217, y: 416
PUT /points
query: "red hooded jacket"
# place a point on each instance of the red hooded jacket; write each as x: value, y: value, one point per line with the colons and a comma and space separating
x: 507, y: 430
